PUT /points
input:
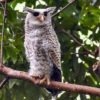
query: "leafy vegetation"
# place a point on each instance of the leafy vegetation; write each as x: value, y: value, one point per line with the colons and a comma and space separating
x: 78, y: 30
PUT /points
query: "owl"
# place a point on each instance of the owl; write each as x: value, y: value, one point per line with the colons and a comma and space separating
x: 42, y: 47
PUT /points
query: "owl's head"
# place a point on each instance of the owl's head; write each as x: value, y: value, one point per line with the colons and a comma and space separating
x: 39, y: 16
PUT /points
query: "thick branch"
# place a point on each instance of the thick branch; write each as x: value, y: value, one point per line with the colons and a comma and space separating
x: 55, y: 85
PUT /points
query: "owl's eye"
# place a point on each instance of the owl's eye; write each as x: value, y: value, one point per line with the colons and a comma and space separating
x: 36, y: 14
x: 45, y: 13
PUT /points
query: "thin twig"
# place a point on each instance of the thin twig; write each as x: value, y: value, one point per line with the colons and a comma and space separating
x: 72, y: 37
x: 2, y: 40
x: 3, y: 82
x: 2, y: 34
x: 66, y: 6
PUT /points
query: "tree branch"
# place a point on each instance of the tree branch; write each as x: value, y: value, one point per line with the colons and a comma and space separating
x: 4, y: 81
x: 75, y: 40
x: 55, y: 85
x: 66, y: 6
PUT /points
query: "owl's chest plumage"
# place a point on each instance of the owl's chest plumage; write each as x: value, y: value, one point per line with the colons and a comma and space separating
x: 37, y: 44
x: 38, y: 40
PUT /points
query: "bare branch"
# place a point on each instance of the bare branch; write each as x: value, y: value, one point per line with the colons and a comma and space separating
x: 3, y: 27
x: 66, y: 6
x: 4, y: 6
x: 78, y: 42
x: 55, y: 85
x: 70, y: 35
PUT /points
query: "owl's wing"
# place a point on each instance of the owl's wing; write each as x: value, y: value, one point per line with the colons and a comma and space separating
x: 55, y: 56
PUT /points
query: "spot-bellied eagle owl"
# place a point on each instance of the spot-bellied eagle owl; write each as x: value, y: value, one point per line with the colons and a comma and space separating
x: 42, y: 47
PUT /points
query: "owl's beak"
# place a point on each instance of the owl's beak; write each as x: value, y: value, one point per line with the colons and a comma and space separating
x: 41, y: 18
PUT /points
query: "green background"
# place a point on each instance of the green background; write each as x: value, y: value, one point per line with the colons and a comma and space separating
x: 78, y: 30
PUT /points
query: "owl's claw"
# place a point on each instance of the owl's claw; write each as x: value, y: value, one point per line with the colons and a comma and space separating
x: 46, y: 79
x: 43, y: 78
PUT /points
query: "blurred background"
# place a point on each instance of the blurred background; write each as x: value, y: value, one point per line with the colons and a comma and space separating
x: 78, y: 30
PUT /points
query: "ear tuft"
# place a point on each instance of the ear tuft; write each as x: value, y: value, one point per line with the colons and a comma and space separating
x: 27, y: 9
x: 51, y: 9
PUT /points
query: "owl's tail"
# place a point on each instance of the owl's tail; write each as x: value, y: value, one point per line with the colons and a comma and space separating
x: 56, y: 76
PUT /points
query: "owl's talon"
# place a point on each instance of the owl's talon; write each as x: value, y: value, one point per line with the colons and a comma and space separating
x: 48, y: 81
x: 45, y: 79
x: 41, y: 76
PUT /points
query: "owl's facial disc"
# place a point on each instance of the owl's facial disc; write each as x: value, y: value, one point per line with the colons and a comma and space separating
x: 40, y: 16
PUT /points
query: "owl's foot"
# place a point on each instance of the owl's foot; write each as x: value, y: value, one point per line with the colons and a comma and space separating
x: 43, y: 78
x: 46, y: 79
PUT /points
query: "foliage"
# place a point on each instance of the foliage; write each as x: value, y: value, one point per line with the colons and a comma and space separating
x: 78, y: 30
